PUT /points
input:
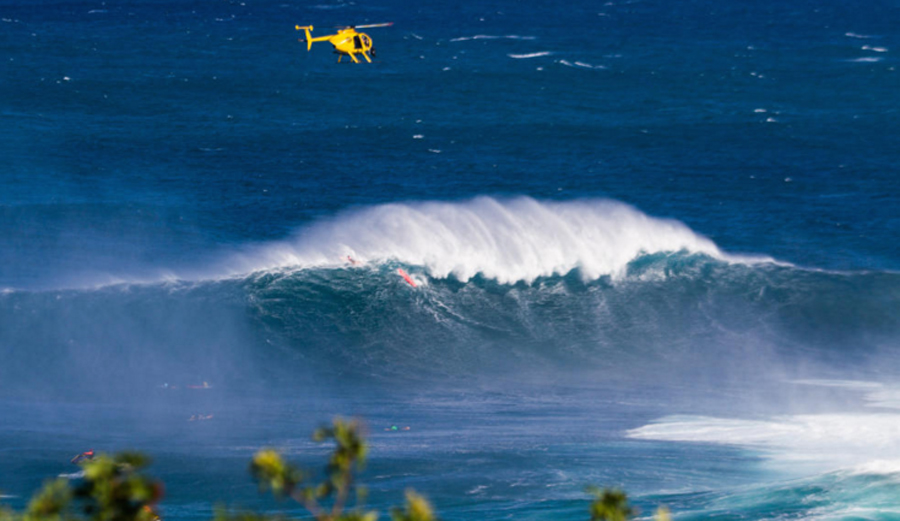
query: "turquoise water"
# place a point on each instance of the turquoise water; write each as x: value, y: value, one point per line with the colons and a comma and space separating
x: 654, y: 247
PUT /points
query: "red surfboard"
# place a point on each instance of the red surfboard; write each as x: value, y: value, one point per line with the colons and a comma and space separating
x: 406, y: 277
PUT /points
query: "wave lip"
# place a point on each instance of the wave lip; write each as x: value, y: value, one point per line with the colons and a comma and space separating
x: 507, y: 240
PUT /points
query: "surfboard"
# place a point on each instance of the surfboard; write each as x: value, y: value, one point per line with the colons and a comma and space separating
x: 406, y: 277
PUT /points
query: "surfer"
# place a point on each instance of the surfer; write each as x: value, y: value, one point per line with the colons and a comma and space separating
x: 87, y: 455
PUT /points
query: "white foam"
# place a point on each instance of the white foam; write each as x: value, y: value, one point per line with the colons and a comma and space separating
x: 868, y: 59
x: 583, y: 65
x: 874, y: 49
x: 879, y: 466
x: 860, y: 36
x: 531, y: 55
x: 508, y: 240
x: 492, y: 37
x: 860, y: 442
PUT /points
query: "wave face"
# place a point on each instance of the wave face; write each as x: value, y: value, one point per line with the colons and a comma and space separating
x: 517, y: 287
x: 511, y: 240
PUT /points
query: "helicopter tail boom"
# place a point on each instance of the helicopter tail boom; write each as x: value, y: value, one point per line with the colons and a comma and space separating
x: 309, y: 38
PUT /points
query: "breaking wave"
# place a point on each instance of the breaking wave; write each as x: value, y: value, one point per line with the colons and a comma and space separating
x: 509, y: 241
x: 504, y: 286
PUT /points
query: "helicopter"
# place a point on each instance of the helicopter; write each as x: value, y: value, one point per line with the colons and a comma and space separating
x: 346, y: 41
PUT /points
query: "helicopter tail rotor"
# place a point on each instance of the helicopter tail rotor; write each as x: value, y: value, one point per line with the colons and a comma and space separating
x: 306, y: 29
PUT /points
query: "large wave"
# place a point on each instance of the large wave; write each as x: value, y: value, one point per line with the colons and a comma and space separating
x: 509, y: 287
x: 507, y: 240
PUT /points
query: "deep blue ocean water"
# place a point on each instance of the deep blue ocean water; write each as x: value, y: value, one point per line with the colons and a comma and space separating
x: 655, y: 247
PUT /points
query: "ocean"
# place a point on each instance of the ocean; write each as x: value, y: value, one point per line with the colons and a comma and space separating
x: 653, y: 246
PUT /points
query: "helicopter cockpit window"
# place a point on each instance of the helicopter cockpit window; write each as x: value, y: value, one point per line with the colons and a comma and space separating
x: 357, y: 43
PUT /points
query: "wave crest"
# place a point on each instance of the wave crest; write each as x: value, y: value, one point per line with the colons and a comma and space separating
x: 513, y: 240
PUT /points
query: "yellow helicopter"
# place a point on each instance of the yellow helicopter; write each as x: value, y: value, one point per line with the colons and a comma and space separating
x: 347, y: 41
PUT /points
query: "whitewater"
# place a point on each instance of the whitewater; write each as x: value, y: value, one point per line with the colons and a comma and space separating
x: 507, y: 240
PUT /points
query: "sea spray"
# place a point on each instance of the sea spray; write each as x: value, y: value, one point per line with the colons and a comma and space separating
x: 507, y: 240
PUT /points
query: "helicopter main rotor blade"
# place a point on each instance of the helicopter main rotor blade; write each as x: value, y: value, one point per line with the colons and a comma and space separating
x: 373, y: 25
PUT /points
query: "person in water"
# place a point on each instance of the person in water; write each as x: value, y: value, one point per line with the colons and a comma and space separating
x: 87, y: 455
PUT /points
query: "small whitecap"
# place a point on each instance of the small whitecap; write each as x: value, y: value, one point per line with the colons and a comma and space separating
x: 771, y: 120
x: 582, y: 65
x: 492, y: 37
x: 530, y: 55
x: 434, y: 151
x: 477, y: 489
x: 759, y: 111
x: 418, y: 136
x: 788, y: 180
x: 874, y: 49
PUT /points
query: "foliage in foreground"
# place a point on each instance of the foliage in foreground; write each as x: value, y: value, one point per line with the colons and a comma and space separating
x: 113, y: 488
